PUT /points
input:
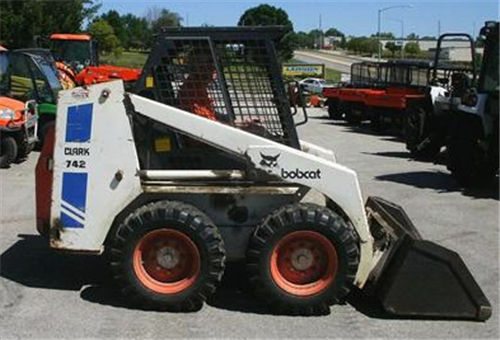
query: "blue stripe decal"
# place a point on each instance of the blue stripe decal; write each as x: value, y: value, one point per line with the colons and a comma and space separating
x: 74, y: 193
x: 69, y: 222
x: 79, y: 123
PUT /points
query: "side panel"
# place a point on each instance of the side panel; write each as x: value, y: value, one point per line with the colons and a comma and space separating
x: 95, y: 166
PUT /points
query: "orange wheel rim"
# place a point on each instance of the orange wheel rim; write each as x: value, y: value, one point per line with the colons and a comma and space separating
x: 166, y: 261
x: 304, y: 263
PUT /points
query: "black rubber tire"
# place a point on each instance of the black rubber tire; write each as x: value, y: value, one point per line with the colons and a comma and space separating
x: 469, y: 164
x: 295, y: 218
x: 183, y: 218
x: 334, y: 109
x: 42, y: 131
x: 23, y: 151
x: 420, y: 143
x: 350, y: 117
x: 8, y: 151
x: 307, y: 100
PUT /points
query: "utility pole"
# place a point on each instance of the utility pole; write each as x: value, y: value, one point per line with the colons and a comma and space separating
x: 439, y: 28
x: 320, y: 42
x: 378, y: 22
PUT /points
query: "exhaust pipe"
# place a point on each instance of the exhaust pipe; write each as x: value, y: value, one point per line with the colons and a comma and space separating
x: 416, y: 278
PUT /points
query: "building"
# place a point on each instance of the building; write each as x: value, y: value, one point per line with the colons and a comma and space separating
x: 426, y: 45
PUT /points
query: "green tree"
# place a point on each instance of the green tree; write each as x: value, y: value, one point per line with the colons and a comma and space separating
x: 304, y: 40
x: 343, y: 42
x: 384, y: 35
x: 315, y: 36
x: 267, y: 15
x: 104, y: 33
x: 333, y: 32
x: 369, y: 46
x: 159, y: 18
x: 412, y: 36
x: 139, y: 35
x: 363, y: 45
x: 392, y: 47
x: 23, y: 21
x: 412, y: 48
x: 114, y: 19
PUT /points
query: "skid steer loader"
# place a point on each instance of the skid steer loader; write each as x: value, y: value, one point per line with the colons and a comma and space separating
x: 202, y: 165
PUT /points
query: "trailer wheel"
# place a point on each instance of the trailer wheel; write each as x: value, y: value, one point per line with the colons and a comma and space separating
x: 302, y: 259
x: 334, y: 109
x: 167, y: 256
x: 353, y: 114
x: 420, y: 143
x: 8, y: 151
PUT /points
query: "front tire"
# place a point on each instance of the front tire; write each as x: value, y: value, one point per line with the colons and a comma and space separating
x: 8, y: 151
x: 302, y: 259
x: 167, y: 256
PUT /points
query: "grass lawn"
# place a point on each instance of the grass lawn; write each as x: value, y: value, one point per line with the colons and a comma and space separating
x: 137, y: 60
x: 126, y: 59
x: 330, y: 75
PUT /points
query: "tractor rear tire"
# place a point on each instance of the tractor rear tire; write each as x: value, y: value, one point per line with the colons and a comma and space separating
x: 421, y: 144
x: 8, y: 151
x: 302, y: 258
x: 469, y: 163
x: 167, y: 256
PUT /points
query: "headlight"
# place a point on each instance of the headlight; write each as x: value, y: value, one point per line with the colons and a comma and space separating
x: 7, y: 114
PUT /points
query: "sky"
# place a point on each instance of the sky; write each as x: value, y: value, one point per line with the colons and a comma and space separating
x: 353, y: 17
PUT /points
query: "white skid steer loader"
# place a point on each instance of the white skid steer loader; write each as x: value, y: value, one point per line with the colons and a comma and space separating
x: 201, y: 165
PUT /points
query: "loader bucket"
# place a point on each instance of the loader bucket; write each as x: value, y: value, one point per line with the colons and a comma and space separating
x: 417, y: 278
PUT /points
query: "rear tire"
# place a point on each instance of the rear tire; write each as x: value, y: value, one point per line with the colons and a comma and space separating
x: 334, y: 109
x: 167, y: 256
x: 8, y: 151
x: 469, y: 163
x: 350, y: 116
x: 302, y: 259
x: 419, y: 142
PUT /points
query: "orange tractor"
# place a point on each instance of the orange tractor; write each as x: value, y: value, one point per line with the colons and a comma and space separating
x: 77, y: 57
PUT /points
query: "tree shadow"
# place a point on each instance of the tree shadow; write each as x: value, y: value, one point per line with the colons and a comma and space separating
x: 441, y: 182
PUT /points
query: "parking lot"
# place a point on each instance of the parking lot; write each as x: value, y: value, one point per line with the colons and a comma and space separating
x: 45, y: 294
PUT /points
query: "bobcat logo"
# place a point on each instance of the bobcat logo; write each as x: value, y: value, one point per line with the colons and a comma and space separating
x: 269, y: 161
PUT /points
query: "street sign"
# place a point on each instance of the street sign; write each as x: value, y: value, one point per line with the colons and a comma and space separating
x: 304, y: 70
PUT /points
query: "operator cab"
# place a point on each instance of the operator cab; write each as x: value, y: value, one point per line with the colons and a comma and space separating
x: 31, y: 75
x: 75, y: 50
